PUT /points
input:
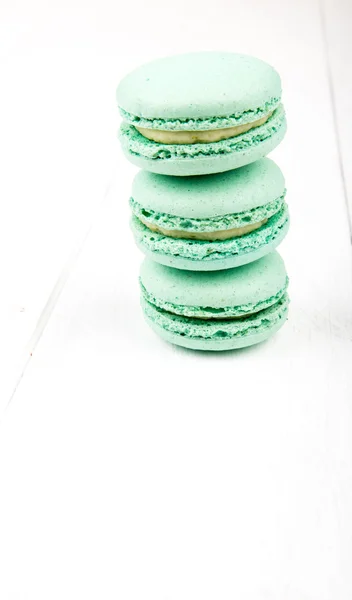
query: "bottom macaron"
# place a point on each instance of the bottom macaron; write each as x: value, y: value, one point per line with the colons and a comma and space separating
x: 221, y: 310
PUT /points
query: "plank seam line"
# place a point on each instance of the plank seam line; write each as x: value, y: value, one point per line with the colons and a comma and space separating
x: 53, y: 298
x: 334, y: 112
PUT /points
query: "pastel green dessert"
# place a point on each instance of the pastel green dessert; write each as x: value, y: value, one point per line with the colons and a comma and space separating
x: 200, y: 113
x: 210, y: 222
x: 222, y: 310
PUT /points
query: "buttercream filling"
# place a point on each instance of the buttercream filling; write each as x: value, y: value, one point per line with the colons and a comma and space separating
x: 225, y: 234
x: 199, y: 137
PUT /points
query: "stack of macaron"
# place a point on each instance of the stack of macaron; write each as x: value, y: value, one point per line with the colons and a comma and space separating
x: 208, y: 209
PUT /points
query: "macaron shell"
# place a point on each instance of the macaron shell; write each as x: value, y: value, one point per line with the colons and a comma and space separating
x: 234, y: 287
x: 198, y: 85
x: 237, y: 152
x: 208, y: 196
x: 257, y: 247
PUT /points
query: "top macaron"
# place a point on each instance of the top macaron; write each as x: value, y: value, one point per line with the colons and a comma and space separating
x: 200, y: 113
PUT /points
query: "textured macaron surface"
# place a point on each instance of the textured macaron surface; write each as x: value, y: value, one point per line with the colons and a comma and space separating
x: 205, y: 251
x: 220, y: 223
x: 203, y: 90
x: 233, y: 304
x: 135, y: 143
x: 242, y: 289
x: 209, y: 312
x: 210, y: 202
x: 215, y: 329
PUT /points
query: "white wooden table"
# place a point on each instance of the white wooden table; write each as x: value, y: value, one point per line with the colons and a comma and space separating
x: 131, y: 469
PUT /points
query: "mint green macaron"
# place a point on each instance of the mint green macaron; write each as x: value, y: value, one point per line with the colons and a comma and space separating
x: 210, y: 222
x: 200, y: 113
x: 220, y: 310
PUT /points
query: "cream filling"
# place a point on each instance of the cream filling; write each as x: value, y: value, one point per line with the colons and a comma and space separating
x: 199, y: 137
x: 222, y: 318
x: 210, y: 236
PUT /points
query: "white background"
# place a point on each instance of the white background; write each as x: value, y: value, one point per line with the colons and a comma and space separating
x: 131, y: 469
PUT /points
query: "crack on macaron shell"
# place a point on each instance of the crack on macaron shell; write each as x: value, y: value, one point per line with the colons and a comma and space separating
x: 199, y: 137
x: 216, y: 328
x: 219, y: 223
x: 208, y: 312
x: 204, y: 251
x: 201, y: 124
x: 140, y: 146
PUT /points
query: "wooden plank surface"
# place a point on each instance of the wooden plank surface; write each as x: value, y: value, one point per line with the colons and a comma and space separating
x: 134, y: 469
x: 56, y: 155
x: 337, y: 29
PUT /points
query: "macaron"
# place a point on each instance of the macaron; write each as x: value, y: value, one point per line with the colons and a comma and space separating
x: 200, y: 113
x: 220, y: 310
x: 210, y: 222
